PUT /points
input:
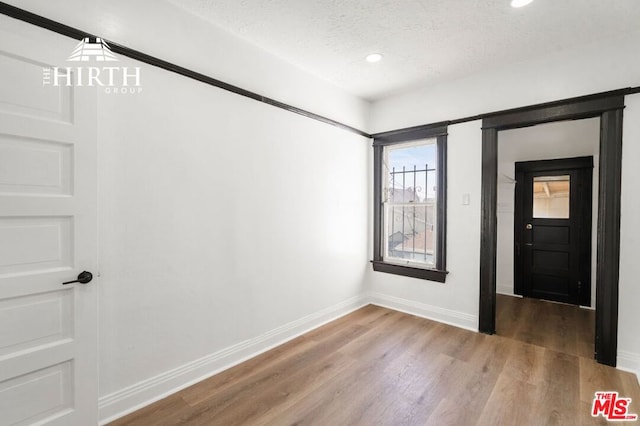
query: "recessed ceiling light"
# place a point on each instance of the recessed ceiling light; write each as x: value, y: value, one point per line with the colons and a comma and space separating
x: 520, y: 3
x: 374, y: 57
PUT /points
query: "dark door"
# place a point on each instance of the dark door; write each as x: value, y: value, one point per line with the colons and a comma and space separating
x: 553, y: 230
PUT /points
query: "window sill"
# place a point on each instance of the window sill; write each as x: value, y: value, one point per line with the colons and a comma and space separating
x: 408, y: 271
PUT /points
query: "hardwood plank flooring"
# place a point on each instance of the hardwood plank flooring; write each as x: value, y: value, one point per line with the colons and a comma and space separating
x: 381, y: 367
x: 563, y: 328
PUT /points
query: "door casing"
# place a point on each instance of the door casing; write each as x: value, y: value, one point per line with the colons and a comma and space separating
x: 609, y: 107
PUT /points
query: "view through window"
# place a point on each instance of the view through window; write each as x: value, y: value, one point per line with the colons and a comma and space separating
x: 551, y: 197
x: 410, y: 202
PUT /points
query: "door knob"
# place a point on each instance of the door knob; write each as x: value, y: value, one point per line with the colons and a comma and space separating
x: 83, y: 278
x: 529, y: 226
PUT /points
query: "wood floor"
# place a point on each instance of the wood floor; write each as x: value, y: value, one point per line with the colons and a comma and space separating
x: 381, y: 367
x: 563, y: 328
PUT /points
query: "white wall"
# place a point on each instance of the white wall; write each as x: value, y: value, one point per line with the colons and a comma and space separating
x: 602, y: 66
x: 629, y: 309
x: 456, y: 301
x: 161, y: 29
x: 564, y: 139
x: 597, y: 67
x: 226, y: 225
x: 223, y: 223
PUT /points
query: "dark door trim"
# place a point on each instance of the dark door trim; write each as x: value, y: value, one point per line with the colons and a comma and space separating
x: 557, y: 164
x: 608, y: 234
x: 581, y: 219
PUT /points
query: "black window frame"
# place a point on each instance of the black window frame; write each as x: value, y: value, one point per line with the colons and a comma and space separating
x: 382, y: 140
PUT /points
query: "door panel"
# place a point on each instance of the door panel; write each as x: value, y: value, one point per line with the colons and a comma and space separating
x: 550, y: 234
x: 40, y: 102
x: 553, y: 230
x: 550, y: 259
x: 35, y: 166
x: 37, y: 395
x: 549, y: 286
x: 48, y: 342
x: 51, y: 320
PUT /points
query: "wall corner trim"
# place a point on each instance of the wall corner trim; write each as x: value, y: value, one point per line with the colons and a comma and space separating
x: 145, y: 392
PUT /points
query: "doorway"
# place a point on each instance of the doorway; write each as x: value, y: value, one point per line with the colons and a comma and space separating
x: 552, y: 230
x: 609, y: 107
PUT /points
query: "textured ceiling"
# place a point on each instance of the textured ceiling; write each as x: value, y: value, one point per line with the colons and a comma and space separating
x: 423, y: 41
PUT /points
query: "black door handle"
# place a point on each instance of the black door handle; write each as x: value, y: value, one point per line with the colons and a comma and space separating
x: 83, y: 278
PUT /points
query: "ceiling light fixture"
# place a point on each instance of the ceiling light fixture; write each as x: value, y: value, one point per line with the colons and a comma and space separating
x: 373, y: 57
x: 520, y: 3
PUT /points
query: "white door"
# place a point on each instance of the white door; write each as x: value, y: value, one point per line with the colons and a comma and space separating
x: 48, y: 342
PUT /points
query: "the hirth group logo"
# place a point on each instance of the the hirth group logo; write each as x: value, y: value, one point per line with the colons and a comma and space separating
x: 90, y: 48
x: 114, y: 80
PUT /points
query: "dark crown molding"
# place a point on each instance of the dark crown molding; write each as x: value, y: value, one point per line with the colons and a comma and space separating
x: 57, y: 27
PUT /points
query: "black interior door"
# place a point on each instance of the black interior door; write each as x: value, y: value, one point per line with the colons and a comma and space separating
x: 553, y: 230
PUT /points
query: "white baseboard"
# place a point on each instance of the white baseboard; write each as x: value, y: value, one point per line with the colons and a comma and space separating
x: 629, y: 361
x: 143, y: 393
x: 447, y: 316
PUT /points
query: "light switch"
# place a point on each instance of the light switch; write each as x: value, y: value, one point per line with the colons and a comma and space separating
x: 466, y: 199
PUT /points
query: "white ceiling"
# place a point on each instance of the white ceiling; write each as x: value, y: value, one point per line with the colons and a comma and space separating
x: 423, y: 41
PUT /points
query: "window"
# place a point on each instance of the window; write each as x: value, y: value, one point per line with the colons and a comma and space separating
x: 410, y: 202
x: 551, y: 197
